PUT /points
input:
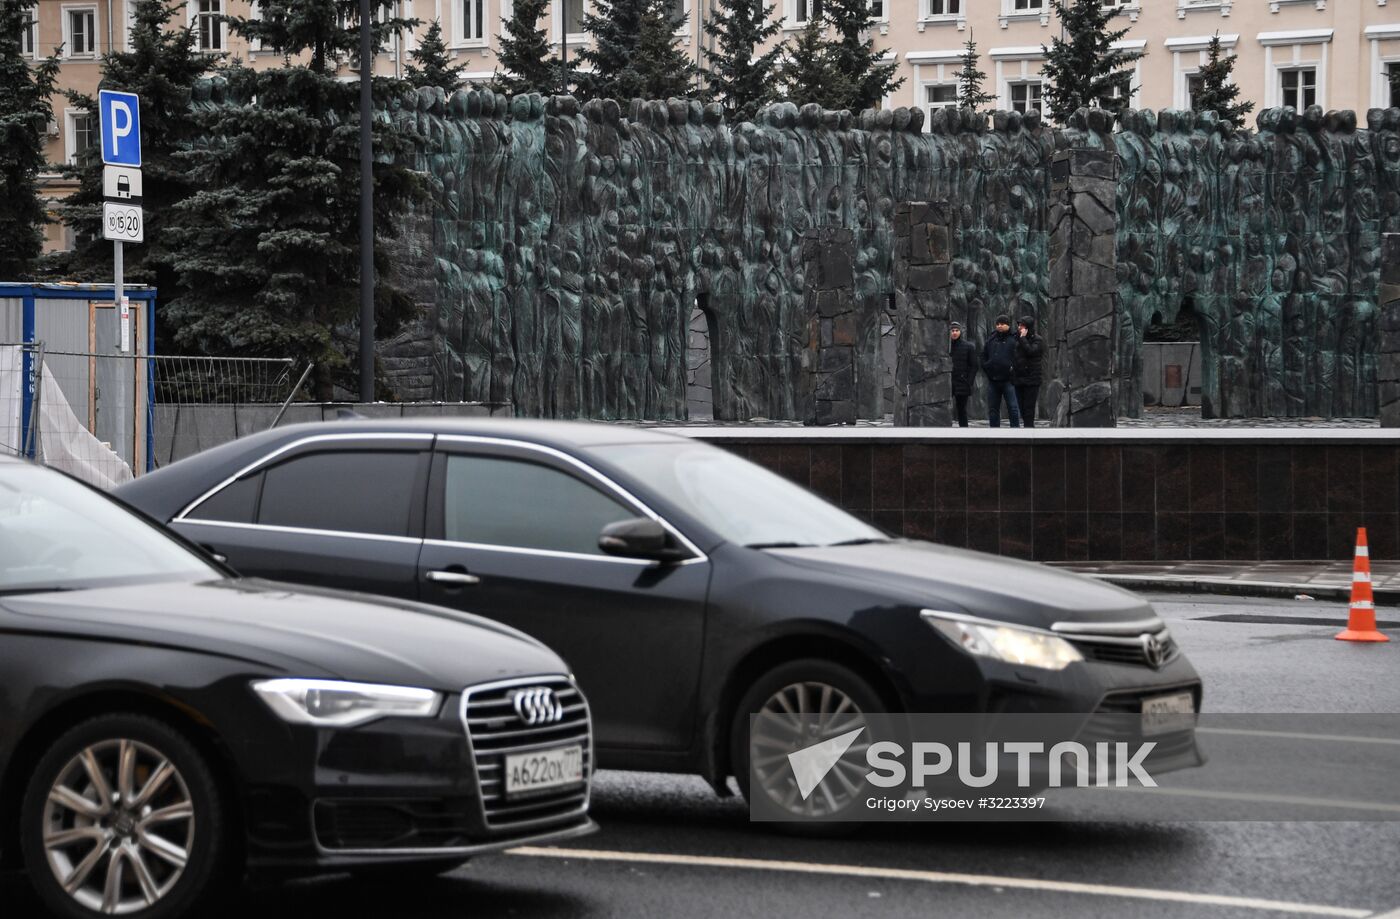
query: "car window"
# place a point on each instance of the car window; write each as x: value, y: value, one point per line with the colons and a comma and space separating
x: 236, y: 503
x: 351, y: 491
x: 58, y: 535
x: 503, y: 502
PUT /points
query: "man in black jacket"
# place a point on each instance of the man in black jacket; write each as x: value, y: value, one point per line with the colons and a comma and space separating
x: 1030, y: 350
x: 998, y: 363
x: 964, y: 370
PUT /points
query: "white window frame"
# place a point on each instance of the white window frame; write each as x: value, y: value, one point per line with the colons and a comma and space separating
x: 1009, y: 12
x: 790, y: 7
x: 193, y: 14
x: 70, y: 132
x: 31, y: 33
x: 1223, y: 7
x: 684, y: 27
x: 1189, y: 55
x: 556, y: 16
x: 1290, y: 51
x: 1275, y: 5
x: 1281, y: 72
x: 460, y: 39
x: 1017, y: 65
x: 1133, y: 8
x: 128, y: 20
x: 1380, y: 58
x: 1028, y: 82
x: 928, y: 106
x: 68, y: 10
x: 884, y: 18
x: 931, y: 68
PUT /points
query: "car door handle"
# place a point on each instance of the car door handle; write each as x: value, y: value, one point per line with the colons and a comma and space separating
x: 452, y: 577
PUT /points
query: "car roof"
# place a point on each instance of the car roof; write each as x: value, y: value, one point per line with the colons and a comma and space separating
x: 545, y: 432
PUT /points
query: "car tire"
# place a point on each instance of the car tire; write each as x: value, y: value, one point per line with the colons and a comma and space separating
x: 133, y: 789
x: 812, y: 673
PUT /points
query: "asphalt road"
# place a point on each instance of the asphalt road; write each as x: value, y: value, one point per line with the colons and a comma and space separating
x: 669, y: 847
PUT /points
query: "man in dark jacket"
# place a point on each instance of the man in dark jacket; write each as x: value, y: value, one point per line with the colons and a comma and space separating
x: 998, y: 363
x: 964, y: 370
x: 1030, y: 351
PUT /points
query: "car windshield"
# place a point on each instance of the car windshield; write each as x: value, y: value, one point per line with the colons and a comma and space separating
x: 57, y: 535
x: 742, y: 502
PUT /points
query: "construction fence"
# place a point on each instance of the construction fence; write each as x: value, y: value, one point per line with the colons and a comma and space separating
x: 106, y: 417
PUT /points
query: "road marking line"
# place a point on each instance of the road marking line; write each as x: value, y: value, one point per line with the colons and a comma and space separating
x: 943, y: 877
x: 1290, y: 735
x: 1393, y: 914
x: 1337, y: 803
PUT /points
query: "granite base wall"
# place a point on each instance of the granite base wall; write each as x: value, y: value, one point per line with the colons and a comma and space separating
x: 1109, y: 501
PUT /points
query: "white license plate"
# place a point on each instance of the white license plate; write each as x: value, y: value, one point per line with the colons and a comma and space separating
x: 544, y: 769
x: 1165, y: 714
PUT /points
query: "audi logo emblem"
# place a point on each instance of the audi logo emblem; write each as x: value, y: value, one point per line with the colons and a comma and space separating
x: 537, y: 705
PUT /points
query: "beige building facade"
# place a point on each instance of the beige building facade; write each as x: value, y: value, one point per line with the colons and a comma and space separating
x: 1333, y: 53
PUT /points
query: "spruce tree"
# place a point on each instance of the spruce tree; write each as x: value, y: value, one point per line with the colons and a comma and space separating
x: 740, y: 79
x: 1217, y: 93
x: 525, y: 63
x: 268, y: 247
x: 25, y: 111
x: 1084, y: 69
x: 810, y: 74
x: 869, y: 77
x: 161, y: 68
x: 970, y: 92
x: 663, y: 69
x: 432, y: 65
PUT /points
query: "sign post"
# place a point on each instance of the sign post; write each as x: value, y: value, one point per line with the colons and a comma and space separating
x: 122, y: 222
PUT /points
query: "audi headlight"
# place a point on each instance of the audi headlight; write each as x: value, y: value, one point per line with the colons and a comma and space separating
x: 1027, y: 647
x: 334, y: 703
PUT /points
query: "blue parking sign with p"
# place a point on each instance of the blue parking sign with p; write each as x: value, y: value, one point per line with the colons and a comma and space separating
x: 120, y: 116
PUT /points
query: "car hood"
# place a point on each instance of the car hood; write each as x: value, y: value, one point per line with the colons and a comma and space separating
x: 302, y: 631
x: 957, y: 580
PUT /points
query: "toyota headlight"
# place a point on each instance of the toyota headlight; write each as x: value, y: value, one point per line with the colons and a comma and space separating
x: 1027, y: 647
x: 335, y: 703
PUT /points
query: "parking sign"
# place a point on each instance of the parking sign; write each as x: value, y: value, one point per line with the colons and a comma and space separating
x: 120, y: 117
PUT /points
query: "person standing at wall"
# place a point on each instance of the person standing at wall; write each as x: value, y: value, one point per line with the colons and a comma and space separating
x: 998, y: 363
x: 964, y: 370
x: 1030, y: 350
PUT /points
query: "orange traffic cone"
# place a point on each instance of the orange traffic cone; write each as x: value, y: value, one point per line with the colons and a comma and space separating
x: 1361, y: 626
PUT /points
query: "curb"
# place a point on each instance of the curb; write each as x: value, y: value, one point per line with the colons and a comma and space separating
x: 1232, y: 587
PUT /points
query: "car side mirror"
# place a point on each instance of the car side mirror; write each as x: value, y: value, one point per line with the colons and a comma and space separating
x: 639, y: 537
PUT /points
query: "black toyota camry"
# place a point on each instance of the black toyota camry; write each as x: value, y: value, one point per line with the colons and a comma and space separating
x: 165, y: 726
x: 687, y: 587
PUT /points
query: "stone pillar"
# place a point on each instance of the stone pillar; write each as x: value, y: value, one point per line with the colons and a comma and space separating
x: 923, y: 389
x: 1388, y: 333
x: 1081, y: 325
x: 829, y: 360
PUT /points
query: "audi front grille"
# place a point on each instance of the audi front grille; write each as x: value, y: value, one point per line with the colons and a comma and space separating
x: 496, y: 730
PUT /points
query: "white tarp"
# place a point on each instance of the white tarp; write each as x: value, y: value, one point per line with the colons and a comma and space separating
x: 64, y: 442
x: 11, y: 399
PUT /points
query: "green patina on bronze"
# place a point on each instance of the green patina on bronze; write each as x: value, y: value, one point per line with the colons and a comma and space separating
x: 569, y: 243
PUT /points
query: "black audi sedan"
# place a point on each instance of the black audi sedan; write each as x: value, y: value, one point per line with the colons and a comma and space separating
x: 688, y: 588
x: 165, y: 726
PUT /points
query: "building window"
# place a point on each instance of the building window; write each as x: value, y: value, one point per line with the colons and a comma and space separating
x: 675, y: 9
x: 1195, y: 84
x: 1027, y: 6
x: 877, y: 9
x: 1117, y: 97
x: 471, y: 21
x: 81, y: 26
x: 573, y: 16
x: 82, y: 135
x: 806, y: 10
x: 1299, y: 87
x: 940, y: 95
x: 208, y: 24
x: 937, y: 8
x: 1025, y: 96
x: 1392, y: 74
x: 27, y: 38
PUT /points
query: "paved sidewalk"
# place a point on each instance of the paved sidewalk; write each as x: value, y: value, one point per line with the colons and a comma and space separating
x: 1331, y: 580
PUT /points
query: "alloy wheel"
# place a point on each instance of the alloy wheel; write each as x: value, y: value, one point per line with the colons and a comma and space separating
x: 118, y: 826
x: 794, y: 718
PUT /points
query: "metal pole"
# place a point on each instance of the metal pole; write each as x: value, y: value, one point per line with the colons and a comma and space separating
x: 118, y: 285
x: 564, y: 48
x: 366, y: 206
